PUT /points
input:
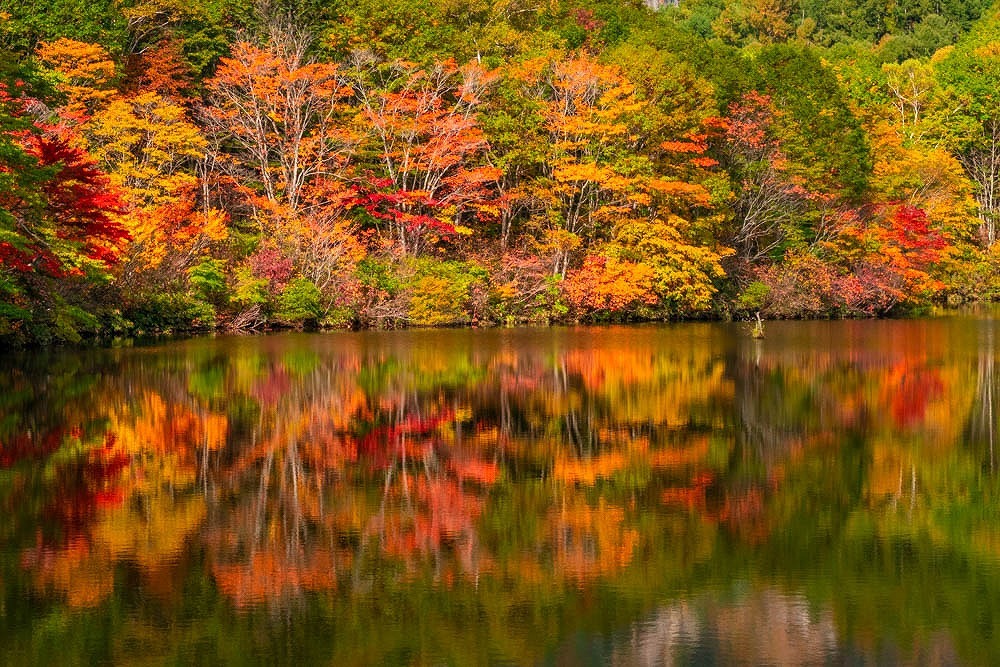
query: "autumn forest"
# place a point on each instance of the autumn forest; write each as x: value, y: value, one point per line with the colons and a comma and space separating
x: 173, y: 166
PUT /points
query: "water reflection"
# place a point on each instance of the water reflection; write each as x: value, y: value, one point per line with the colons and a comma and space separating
x: 522, y: 495
x: 760, y: 627
x: 730, y: 632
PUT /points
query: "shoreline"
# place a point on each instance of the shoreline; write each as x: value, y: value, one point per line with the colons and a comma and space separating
x: 748, y: 323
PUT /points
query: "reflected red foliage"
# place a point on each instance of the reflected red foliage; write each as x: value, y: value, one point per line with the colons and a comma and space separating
x: 915, y: 391
x: 25, y: 446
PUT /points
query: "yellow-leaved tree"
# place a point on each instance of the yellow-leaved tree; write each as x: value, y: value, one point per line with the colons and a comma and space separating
x: 84, y: 74
x: 151, y: 150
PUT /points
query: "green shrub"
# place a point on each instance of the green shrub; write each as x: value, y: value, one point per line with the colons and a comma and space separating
x: 249, y: 290
x: 168, y: 312
x: 299, y: 303
x: 69, y: 322
x: 974, y: 276
x: 441, y: 292
x: 376, y: 276
x: 753, y: 297
x: 208, y: 281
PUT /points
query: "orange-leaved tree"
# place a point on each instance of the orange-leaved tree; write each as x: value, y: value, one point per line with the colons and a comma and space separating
x: 425, y: 148
x: 85, y: 74
x: 280, y: 110
x: 591, y: 174
x: 633, y: 209
x: 892, y: 257
x: 284, y: 117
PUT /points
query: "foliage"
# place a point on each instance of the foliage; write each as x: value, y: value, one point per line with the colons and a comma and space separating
x: 611, y: 285
x: 299, y: 303
x: 84, y: 73
x: 170, y: 312
x: 803, y: 286
x: 58, y: 232
x: 434, y: 164
x: 444, y: 293
x: 208, y: 281
x: 426, y: 143
x: 753, y: 296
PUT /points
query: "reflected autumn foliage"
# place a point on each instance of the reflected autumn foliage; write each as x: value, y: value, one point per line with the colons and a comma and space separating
x: 548, y: 461
x: 294, y: 466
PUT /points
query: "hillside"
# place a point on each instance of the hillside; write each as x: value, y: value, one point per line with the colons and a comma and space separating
x: 169, y: 166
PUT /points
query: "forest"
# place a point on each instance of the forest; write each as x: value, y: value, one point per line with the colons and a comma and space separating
x: 171, y: 166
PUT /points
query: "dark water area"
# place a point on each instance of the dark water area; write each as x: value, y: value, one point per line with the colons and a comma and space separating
x: 677, y: 494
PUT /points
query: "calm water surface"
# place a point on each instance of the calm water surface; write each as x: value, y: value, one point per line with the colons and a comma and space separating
x: 622, y: 495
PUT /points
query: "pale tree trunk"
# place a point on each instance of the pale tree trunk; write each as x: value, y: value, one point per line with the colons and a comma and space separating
x: 982, y: 165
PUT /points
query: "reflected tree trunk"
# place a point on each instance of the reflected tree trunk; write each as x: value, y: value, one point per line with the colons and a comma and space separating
x: 982, y: 429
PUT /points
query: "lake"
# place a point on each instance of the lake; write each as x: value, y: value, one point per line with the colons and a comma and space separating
x: 677, y: 494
